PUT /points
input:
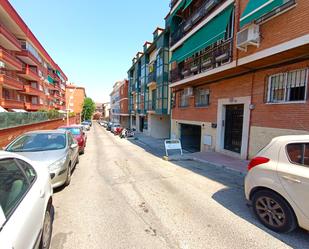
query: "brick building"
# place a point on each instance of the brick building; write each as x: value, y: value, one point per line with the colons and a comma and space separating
x: 29, y: 78
x: 238, y: 73
x: 119, y: 112
x: 75, y: 96
x: 148, y: 87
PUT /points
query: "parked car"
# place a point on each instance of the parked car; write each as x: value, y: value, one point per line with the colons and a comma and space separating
x: 109, y: 126
x: 56, y: 150
x: 277, y: 184
x: 26, y: 211
x: 85, y: 125
x: 78, y: 134
x: 89, y: 122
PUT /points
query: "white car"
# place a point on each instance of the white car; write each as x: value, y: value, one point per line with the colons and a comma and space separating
x: 26, y: 211
x: 277, y: 184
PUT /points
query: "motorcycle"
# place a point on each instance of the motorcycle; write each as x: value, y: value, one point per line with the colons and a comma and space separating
x: 125, y: 133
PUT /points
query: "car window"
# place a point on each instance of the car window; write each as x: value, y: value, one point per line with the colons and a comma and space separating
x: 28, y: 169
x: 13, y: 185
x: 38, y: 142
x: 298, y: 153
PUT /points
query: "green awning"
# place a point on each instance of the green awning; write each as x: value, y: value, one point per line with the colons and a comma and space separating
x: 50, y: 79
x: 58, y: 73
x: 255, y: 9
x: 212, y: 32
x: 188, y: 2
x: 182, y: 3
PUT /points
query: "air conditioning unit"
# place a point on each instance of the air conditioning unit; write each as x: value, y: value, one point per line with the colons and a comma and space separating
x: 248, y: 36
x: 189, y: 91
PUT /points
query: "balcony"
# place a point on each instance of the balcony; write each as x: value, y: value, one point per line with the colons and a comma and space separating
x: 151, y: 106
x: 10, y: 61
x: 213, y: 57
x: 33, y: 107
x: 29, y: 73
x: 12, y: 104
x: 152, y: 78
x: 32, y: 91
x: 195, y: 18
x: 8, y: 40
x: 28, y: 58
x: 10, y: 82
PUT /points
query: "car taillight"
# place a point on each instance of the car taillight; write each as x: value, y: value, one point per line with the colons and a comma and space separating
x: 257, y: 161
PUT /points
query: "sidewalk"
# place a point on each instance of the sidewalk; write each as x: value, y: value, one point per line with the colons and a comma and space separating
x: 156, y: 147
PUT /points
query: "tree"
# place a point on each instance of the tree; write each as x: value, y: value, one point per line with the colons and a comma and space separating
x: 88, y: 109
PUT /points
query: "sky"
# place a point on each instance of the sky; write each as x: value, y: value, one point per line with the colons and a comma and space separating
x: 93, y: 41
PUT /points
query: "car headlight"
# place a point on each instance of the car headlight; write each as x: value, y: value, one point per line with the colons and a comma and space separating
x: 58, y: 164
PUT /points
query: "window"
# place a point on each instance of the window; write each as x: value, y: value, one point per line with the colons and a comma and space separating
x: 201, y: 97
x: 13, y: 185
x: 288, y: 87
x: 27, y: 168
x: 184, y: 99
x: 298, y: 153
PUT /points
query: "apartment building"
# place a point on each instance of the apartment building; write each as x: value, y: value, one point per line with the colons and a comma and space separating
x: 30, y: 80
x: 106, y: 111
x: 75, y: 96
x: 119, y: 103
x: 148, y: 87
x: 238, y: 73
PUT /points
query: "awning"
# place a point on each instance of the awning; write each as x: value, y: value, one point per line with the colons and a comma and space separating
x: 50, y: 79
x: 58, y: 73
x: 255, y: 9
x: 212, y: 32
x: 182, y: 3
x: 188, y: 2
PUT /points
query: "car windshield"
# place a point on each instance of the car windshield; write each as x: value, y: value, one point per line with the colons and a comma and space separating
x: 74, y: 130
x: 38, y: 142
x: 84, y: 123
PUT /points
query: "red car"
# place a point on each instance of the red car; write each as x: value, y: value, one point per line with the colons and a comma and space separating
x: 78, y: 134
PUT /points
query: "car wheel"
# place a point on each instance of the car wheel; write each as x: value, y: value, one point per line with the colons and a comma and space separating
x: 46, y: 231
x: 68, y: 180
x: 273, y: 211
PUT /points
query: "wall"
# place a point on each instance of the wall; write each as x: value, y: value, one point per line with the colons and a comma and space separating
x: 266, y: 120
x: 7, y: 135
x: 282, y: 28
x: 159, y: 126
x: 77, y: 100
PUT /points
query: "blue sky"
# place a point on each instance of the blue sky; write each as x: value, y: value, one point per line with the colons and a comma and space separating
x: 93, y: 41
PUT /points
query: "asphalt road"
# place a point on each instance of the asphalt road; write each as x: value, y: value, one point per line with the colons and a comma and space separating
x: 124, y: 197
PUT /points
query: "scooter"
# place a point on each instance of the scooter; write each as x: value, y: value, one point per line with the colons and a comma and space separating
x: 125, y: 133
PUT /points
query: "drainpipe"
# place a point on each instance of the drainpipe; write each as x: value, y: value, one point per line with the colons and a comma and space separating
x: 250, y: 113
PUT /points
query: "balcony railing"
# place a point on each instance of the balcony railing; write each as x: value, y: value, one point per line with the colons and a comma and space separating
x: 10, y: 59
x: 152, y: 77
x: 198, y: 15
x: 214, y: 57
x: 13, y: 43
x: 151, y: 105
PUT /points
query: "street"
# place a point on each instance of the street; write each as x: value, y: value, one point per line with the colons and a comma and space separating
x: 121, y: 196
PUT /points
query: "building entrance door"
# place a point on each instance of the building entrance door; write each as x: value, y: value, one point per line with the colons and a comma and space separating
x: 141, y: 124
x: 234, y: 116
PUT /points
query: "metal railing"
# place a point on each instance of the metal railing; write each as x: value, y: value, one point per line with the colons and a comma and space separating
x: 152, y: 77
x: 211, y: 58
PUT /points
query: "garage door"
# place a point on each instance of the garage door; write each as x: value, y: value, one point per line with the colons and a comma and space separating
x: 191, y: 137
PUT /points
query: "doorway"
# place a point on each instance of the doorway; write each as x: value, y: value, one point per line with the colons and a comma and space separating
x: 234, y: 116
x: 141, y: 124
x: 190, y: 137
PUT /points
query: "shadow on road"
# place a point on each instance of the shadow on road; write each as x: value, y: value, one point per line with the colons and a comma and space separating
x: 232, y: 197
